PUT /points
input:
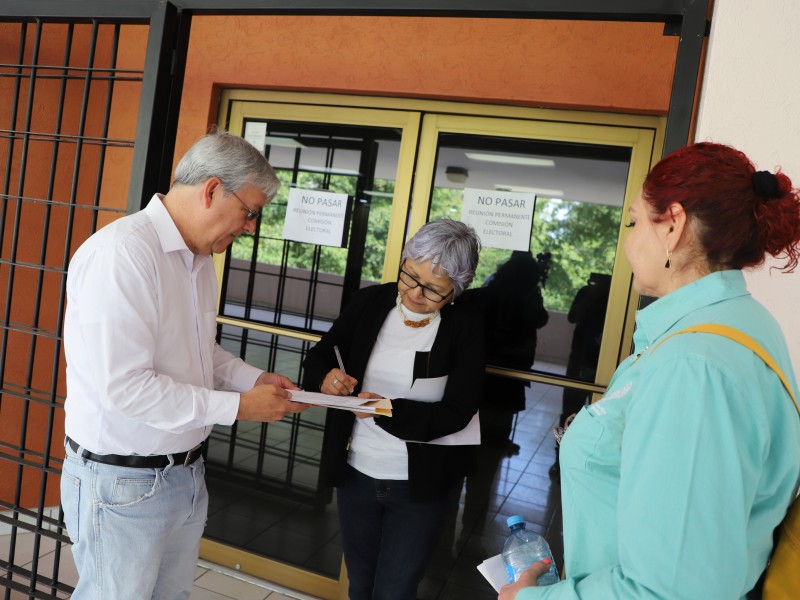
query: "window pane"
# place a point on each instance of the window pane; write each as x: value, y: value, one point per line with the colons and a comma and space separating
x: 305, y: 285
x: 537, y: 317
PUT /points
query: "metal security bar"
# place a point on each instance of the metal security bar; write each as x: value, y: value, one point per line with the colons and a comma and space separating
x: 55, y: 143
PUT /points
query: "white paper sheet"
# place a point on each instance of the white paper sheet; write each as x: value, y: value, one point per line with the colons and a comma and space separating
x: 315, y: 217
x: 469, y: 436
x: 501, y: 219
x: 494, y: 571
x: 428, y: 389
x: 383, y: 406
x: 431, y: 389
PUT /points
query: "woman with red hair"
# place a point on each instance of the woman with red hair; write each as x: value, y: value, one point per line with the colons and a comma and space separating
x: 673, y: 482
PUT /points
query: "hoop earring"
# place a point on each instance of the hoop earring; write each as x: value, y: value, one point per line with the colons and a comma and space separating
x: 669, y: 256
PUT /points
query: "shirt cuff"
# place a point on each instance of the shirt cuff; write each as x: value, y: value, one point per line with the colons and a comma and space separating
x: 223, y: 407
x: 245, y: 377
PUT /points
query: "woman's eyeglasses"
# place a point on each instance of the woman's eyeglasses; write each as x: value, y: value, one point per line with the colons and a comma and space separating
x: 412, y: 282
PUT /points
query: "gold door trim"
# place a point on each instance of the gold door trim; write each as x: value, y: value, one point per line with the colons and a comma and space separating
x: 316, y: 100
x: 421, y: 121
x: 270, y: 570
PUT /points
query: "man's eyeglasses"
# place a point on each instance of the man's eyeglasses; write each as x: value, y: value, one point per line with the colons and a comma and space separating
x: 251, y: 214
x: 412, y: 282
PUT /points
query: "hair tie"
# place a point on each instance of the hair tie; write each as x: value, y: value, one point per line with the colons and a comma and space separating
x: 765, y: 184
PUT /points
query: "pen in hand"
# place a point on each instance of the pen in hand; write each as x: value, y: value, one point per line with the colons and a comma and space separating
x: 349, y: 382
x: 339, y: 359
x: 360, y: 415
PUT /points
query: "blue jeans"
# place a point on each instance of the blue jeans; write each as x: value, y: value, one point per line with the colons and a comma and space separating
x: 135, y: 532
x: 387, y: 539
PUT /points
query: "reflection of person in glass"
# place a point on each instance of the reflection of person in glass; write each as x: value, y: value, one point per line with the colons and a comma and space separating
x: 513, y: 309
x: 588, y: 312
x: 674, y: 482
x: 393, y: 489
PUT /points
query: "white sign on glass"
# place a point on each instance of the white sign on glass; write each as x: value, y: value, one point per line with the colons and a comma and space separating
x: 315, y: 217
x: 256, y: 133
x: 501, y: 219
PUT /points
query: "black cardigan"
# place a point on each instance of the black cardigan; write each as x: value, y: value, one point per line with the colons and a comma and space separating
x: 457, y: 351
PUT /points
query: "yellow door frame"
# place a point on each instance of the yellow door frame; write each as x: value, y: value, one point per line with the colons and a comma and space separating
x: 421, y: 122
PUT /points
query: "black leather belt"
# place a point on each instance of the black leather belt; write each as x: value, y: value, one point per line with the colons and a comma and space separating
x: 139, y: 462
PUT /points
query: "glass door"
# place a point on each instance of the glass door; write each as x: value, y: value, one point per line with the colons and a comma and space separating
x: 547, y: 201
x: 546, y: 191
x: 277, y: 296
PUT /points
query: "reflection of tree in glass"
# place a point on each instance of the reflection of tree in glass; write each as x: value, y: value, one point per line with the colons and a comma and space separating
x: 581, y: 236
x: 332, y: 260
x: 583, y: 239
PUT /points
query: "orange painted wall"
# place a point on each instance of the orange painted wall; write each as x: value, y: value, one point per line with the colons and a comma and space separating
x: 620, y: 67
x: 30, y: 179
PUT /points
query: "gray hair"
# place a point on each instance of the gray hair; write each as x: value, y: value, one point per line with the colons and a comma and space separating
x: 235, y: 161
x: 450, y: 245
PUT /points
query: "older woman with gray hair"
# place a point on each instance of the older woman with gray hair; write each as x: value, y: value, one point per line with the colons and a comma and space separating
x: 393, y: 485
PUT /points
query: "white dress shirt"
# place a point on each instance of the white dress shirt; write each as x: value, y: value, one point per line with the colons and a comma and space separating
x: 143, y: 365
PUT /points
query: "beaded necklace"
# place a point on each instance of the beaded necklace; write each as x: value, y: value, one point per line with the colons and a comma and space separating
x: 410, y: 322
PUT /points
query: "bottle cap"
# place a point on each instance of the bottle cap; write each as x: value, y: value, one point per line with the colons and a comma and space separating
x: 515, y: 520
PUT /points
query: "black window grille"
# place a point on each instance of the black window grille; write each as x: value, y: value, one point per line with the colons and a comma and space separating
x: 60, y: 136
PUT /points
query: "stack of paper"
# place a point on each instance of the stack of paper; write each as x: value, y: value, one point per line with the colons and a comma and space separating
x: 382, y: 406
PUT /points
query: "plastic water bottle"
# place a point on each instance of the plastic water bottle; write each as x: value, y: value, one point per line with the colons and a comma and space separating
x: 523, y: 548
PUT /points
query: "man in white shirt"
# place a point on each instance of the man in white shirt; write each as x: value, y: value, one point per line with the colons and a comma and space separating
x: 145, y: 374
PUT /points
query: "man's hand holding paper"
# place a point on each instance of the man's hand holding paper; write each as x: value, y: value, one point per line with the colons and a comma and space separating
x: 365, y: 402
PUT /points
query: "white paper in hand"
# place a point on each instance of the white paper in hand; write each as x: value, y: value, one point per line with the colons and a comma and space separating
x: 494, y: 571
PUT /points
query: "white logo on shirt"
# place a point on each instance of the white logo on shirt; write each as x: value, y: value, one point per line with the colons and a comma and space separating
x: 619, y: 393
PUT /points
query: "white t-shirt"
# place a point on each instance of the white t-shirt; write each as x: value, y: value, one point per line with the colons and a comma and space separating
x: 389, y: 373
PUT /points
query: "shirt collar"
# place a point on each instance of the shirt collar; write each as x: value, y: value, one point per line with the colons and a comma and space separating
x: 168, y: 234
x: 658, y: 318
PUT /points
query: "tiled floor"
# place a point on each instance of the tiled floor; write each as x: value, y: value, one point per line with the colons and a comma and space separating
x: 212, y: 582
x: 509, y: 481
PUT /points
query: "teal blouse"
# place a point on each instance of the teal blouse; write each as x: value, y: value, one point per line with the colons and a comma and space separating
x: 673, y: 482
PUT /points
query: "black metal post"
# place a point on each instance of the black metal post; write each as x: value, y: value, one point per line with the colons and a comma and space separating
x: 687, y: 69
x: 157, y: 123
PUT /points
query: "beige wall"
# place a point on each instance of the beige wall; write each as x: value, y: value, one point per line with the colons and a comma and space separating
x: 751, y: 100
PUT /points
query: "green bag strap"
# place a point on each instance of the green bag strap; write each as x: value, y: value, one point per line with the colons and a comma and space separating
x: 745, y: 340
